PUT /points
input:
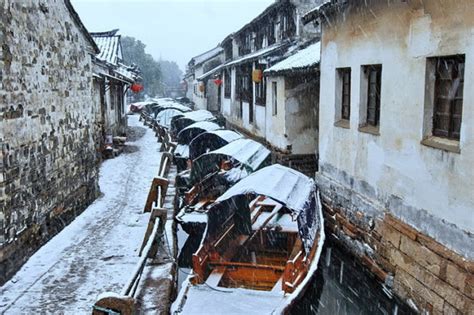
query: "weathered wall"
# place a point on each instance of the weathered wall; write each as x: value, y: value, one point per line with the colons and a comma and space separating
x: 276, y: 133
x: 212, y: 96
x: 367, y: 175
x: 49, y: 164
x: 301, y: 8
x: 301, y: 113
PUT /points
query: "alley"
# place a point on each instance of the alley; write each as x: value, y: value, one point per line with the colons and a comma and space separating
x: 97, y: 251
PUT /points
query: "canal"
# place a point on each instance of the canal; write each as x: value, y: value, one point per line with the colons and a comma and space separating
x: 341, y: 286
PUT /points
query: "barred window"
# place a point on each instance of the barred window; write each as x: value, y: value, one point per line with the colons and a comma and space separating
x: 448, y: 98
x: 227, y: 83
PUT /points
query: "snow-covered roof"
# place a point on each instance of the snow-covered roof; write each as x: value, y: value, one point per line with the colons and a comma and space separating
x: 278, y: 182
x: 315, y: 13
x: 246, y: 151
x: 126, y: 72
x: 257, y: 54
x: 207, y: 55
x: 209, y: 73
x: 109, y: 45
x: 303, y: 59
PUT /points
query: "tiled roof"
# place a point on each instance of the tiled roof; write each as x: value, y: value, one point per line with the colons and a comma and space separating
x: 303, y: 59
x: 207, y: 55
x: 109, y: 45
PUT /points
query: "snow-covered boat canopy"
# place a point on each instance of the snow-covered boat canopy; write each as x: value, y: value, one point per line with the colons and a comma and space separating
x: 278, y: 182
x: 249, y: 153
x: 295, y: 191
x: 174, y: 105
x: 164, y: 117
x: 179, y: 123
x: 186, y: 135
x: 210, y: 141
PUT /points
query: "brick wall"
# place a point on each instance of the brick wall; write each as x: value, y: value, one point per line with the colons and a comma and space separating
x: 49, y: 162
x: 421, y: 271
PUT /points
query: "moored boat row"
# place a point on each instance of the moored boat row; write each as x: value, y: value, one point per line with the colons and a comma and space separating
x: 260, y: 226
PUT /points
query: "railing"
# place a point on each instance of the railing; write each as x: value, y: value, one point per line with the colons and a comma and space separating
x: 130, y: 288
x: 124, y: 303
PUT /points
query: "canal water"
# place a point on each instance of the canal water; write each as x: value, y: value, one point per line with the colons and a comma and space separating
x: 341, y: 285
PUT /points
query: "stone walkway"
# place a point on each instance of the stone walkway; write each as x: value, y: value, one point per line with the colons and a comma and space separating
x: 98, y: 251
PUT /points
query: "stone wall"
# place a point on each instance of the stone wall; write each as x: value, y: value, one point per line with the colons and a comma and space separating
x: 420, y: 270
x: 48, y: 156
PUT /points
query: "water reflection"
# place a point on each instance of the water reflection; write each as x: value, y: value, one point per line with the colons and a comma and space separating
x: 342, y: 286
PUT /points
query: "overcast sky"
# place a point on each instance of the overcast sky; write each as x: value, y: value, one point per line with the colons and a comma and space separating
x: 172, y: 29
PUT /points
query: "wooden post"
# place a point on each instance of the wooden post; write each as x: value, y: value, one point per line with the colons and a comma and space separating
x: 153, y: 194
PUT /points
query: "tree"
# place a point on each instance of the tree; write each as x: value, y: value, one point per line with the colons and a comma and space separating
x: 133, y: 51
x: 171, y: 76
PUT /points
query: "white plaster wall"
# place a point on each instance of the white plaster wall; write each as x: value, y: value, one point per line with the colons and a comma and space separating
x: 275, y: 127
x: 395, y: 163
x: 260, y: 119
x: 225, y: 102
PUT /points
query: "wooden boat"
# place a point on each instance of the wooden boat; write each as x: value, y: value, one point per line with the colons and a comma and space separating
x: 178, y: 123
x: 212, y: 174
x: 210, y: 141
x: 261, y: 247
x: 184, y: 138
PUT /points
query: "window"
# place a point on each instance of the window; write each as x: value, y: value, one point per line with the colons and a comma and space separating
x: 371, y: 87
x: 346, y: 94
x: 244, y: 84
x: 274, y: 99
x: 260, y: 87
x: 227, y: 83
x: 228, y: 51
x: 448, y: 96
x: 343, y: 95
x: 374, y: 74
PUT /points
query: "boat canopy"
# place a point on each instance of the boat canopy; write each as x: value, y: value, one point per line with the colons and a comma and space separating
x: 174, y: 105
x: 295, y: 191
x: 179, y: 123
x: 164, y: 117
x: 250, y: 154
x: 210, y: 141
x: 186, y: 135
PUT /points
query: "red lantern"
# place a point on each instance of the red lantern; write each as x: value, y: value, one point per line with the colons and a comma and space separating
x: 218, y: 82
x: 136, y: 88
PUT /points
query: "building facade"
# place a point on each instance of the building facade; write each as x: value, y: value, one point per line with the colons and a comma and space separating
x: 396, y: 143
x: 111, y: 81
x: 244, y: 91
x: 204, y: 93
x: 48, y: 137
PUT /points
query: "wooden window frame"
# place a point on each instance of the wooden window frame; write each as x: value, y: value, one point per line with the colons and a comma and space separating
x: 261, y: 88
x: 345, y: 96
x: 227, y: 83
x: 453, y: 102
x: 374, y: 91
x: 274, y: 98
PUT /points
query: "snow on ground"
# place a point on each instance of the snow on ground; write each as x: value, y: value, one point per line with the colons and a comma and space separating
x: 96, y: 252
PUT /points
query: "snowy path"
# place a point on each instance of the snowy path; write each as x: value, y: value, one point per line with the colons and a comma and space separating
x: 97, y: 251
